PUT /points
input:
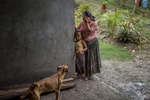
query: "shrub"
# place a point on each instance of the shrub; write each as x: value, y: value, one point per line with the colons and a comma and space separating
x: 125, y: 32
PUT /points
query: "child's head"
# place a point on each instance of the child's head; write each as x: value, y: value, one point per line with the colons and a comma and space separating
x: 78, y: 35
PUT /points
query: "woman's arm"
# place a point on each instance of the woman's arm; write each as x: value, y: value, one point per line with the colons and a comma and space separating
x: 91, y: 25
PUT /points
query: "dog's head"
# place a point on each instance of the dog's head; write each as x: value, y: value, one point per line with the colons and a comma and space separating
x: 64, y: 68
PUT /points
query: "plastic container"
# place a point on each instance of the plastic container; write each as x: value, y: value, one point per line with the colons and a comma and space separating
x: 144, y: 3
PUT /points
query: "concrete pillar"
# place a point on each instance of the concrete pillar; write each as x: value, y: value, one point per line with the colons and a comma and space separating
x: 36, y: 36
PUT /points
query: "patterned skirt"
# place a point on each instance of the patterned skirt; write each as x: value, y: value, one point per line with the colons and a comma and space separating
x: 92, y: 57
x: 80, y: 62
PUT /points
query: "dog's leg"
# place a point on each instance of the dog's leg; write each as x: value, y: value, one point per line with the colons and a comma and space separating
x: 57, y: 94
x: 36, y: 92
x: 57, y: 91
x: 36, y: 96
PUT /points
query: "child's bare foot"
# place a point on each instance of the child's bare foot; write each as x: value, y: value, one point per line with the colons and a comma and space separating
x: 79, y: 77
x: 86, y: 79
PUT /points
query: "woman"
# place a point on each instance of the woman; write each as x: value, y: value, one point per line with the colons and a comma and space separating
x: 92, y: 56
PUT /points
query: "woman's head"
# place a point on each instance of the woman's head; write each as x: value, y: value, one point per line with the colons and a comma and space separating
x: 88, y: 14
x: 78, y: 35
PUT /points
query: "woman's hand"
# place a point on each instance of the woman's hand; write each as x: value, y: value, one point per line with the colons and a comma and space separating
x: 87, y: 19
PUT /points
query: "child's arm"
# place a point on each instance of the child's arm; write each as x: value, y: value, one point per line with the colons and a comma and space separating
x: 75, y: 51
x: 84, y: 46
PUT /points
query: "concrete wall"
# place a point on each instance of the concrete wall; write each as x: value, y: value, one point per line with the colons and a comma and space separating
x: 36, y: 36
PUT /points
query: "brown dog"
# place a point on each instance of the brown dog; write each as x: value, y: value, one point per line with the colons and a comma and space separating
x: 48, y: 84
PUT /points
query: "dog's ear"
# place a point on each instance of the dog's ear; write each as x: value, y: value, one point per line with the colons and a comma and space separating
x: 58, y: 68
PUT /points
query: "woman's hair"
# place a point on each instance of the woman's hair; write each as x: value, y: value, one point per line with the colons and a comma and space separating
x: 88, y: 14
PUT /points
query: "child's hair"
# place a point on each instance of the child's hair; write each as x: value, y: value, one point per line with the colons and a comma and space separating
x: 78, y: 30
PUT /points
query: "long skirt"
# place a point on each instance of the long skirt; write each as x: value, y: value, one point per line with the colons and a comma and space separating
x: 92, y: 57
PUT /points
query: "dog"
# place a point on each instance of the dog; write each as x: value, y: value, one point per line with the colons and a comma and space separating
x: 49, y: 84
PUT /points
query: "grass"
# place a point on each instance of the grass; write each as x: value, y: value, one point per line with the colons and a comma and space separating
x: 144, y: 26
x: 112, y: 52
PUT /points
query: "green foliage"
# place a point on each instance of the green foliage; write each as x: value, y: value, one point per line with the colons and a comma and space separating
x: 84, y: 7
x: 147, y: 34
x: 109, y: 51
x: 80, y: 9
x: 104, y: 2
x: 131, y: 30
x: 112, y: 20
x: 125, y: 32
x: 78, y: 12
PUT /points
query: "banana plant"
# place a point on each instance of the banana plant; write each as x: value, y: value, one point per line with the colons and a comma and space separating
x: 112, y: 20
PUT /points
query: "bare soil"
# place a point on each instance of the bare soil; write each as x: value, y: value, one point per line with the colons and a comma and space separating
x: 118, y: 80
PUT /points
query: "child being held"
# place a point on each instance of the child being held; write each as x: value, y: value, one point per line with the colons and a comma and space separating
x: 80, y: 48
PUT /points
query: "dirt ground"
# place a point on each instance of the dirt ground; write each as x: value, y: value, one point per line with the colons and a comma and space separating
x: 125, y: 80
x: 118, y: 80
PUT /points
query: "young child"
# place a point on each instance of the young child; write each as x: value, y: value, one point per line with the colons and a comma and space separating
x: 80, y: 48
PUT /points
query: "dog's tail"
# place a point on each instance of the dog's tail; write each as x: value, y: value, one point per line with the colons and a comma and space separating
x: 24, y: 95
x: 34, y: 84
